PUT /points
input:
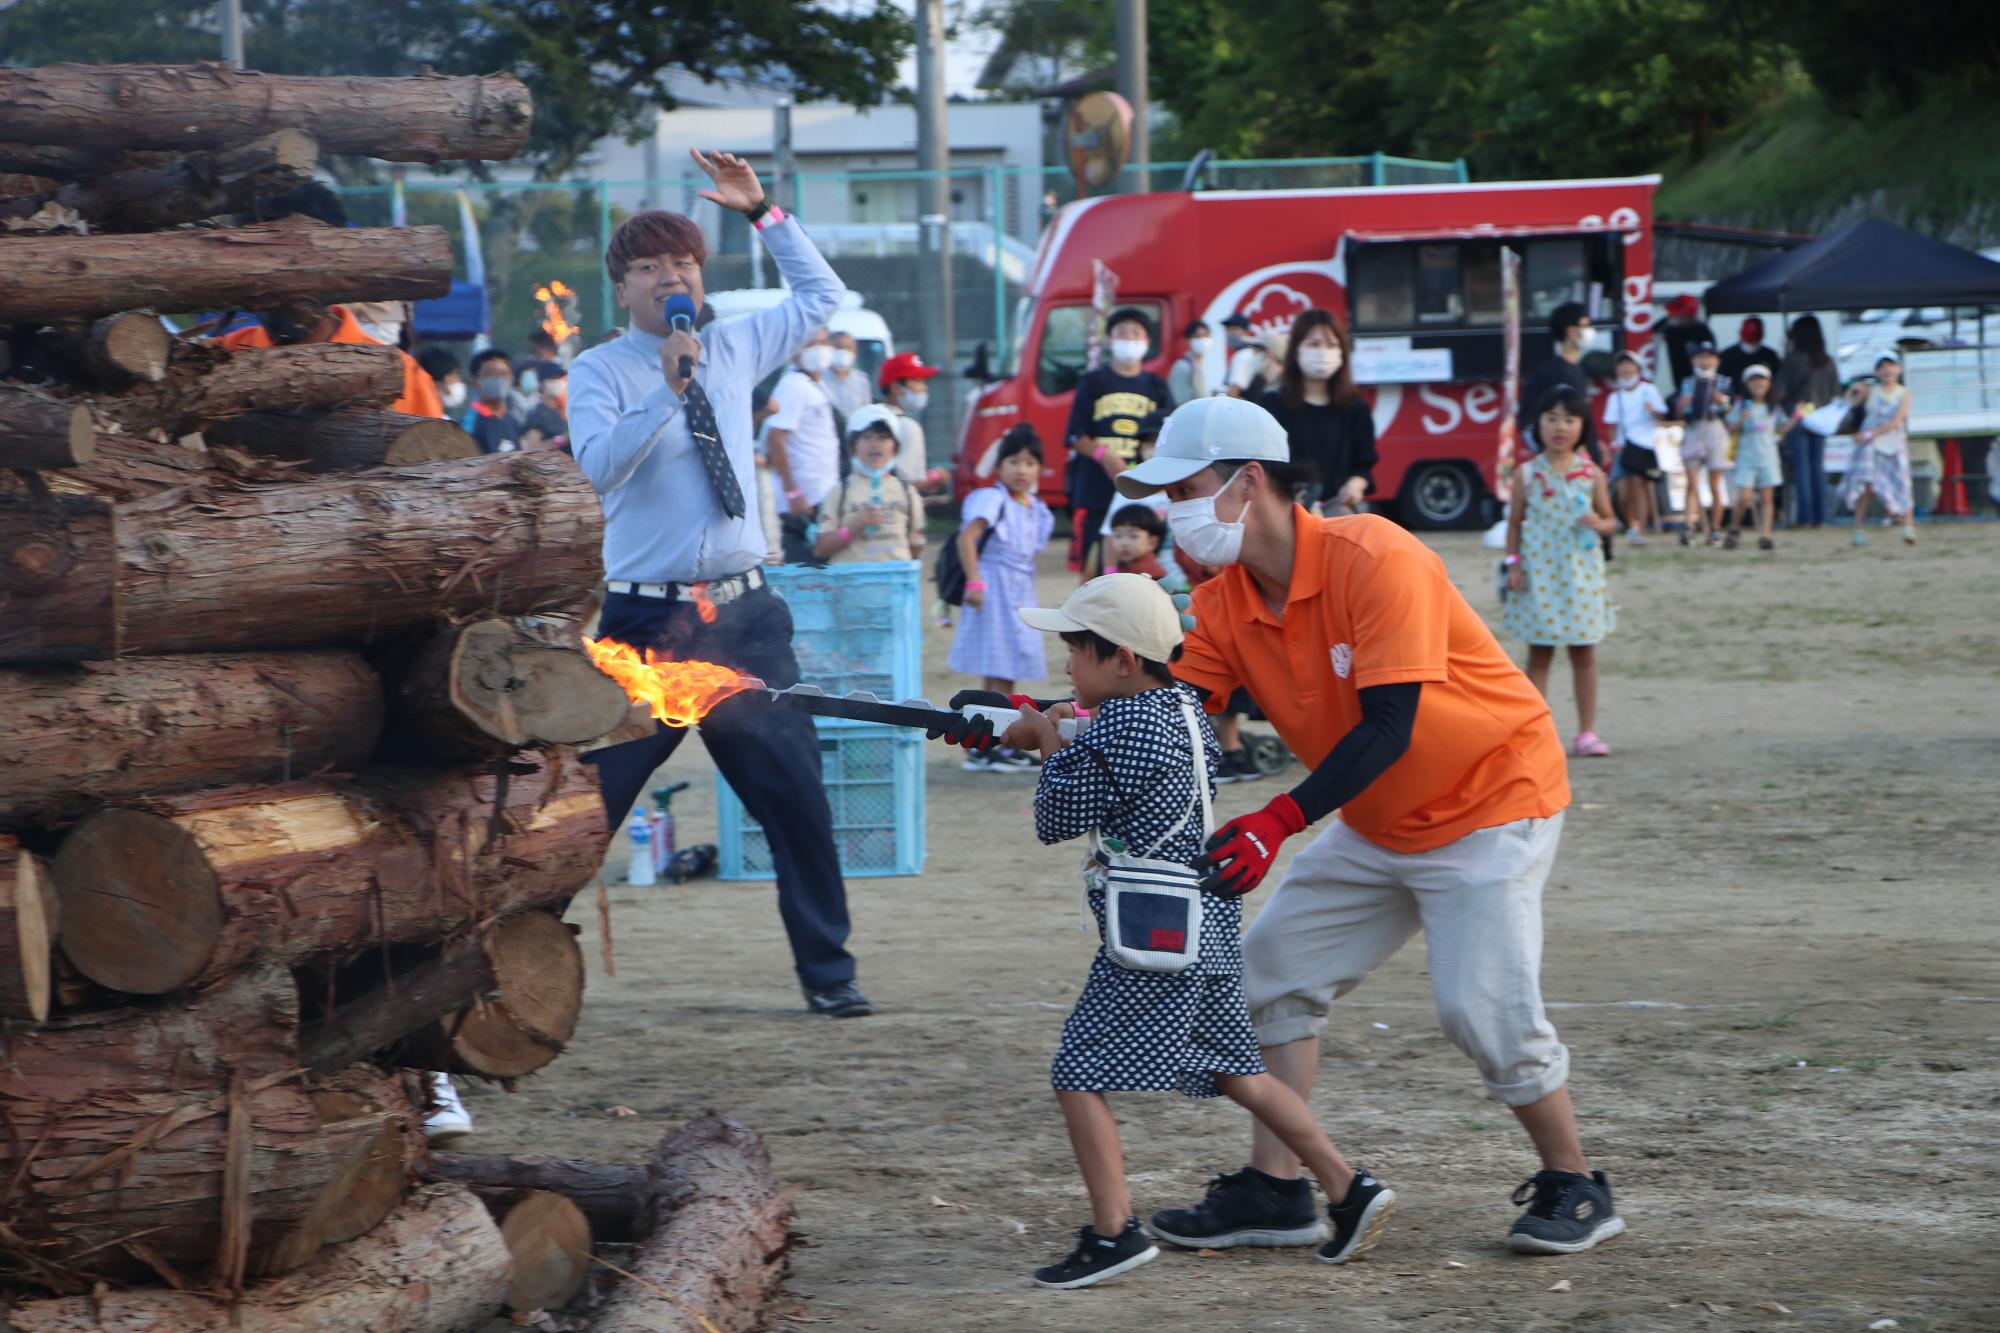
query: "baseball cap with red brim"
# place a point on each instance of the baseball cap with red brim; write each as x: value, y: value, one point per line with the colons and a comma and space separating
x: 1201, y: 433
x: 904, y: 366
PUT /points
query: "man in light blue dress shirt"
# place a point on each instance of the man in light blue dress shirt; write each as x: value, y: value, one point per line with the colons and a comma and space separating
x: 670, y: 547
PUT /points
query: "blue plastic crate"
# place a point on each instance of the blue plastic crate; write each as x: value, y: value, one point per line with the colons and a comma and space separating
x: 875, y: 784
x: 857, y: 627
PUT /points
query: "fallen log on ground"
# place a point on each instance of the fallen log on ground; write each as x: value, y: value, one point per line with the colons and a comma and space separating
x: 345, y: 441
x: 30, y: 916
x: 194, y: 886
x: 424, y: 119
x: 44, y: 279
x: 485, y: 688
x: 154, y: 1141
x: 38, y: 430
x: 436, y: 1265
x: 182, y: 189
x: 59, y: 599
x: 83, y: 736
x: 212, y: 384
x: 537, y: 969
x: 721, y: 1252
x: 617, y: 1199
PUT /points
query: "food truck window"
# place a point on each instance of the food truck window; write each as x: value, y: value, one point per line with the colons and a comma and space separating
x: 1381, y: 291
x: 1439, y: 300
x: 1065, y: 339
x: 1480, y: 262
x: 1552, y: 272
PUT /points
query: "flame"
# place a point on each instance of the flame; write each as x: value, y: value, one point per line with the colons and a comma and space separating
x: 558, y: 303
x: 702, y: 606
x: 679, y: 694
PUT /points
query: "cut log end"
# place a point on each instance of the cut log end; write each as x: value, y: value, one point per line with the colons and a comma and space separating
x: 549, y: 1240
x: 141, y: 905
x: 26, y: 935
x: 519, y: 690
x: 136, y: 344
x: 538, y: 972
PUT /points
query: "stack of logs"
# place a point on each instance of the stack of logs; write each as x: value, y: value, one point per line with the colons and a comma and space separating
x: 290, y: 687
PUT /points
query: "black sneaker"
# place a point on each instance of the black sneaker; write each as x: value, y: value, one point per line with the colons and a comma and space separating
x: 1247, y: 1208
x: 1567, y: 1213
x: 1096, y: 1258
x: 1238, y: 766
x: 842, y: 1001
x: 1357, y: 1219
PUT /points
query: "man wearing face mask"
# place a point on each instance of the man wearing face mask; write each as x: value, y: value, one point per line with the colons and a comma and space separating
x: 1449, y: 781
x: 446, y: 378
x: 491, y: 420
x: 803, y: 444
x: 546, y: 425
x: 906, y: 392
x: 1189, y: 378
x: 1104, y: 418
x: 846, y: 386
x: 1246, y: 357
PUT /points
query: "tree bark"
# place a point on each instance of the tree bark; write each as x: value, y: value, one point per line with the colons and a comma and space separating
x: 59, y: 593
x: 549, y: 1241
x: 415, y: 999
x: 435, y: 1265
x: 120, y: 1135
x: 538, y: 979
x: 379, y: 1172
x: 721, y: 1253
x: 213, y: 384
x: 195, y: 886
x: 40, y: 159
x: 352, y: 559
x: 345, y: 441
x: 209, y: 105
x: 100, y: 733
x: 118, y: 350
x: 486, y: 688
x: 37, y: 431
x: 183, y: 189
x: 29, y: 919
x: 44, y: 279
x: 616, y: 1198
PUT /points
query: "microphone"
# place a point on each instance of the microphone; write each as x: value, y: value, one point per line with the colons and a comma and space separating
x: 680, y: 313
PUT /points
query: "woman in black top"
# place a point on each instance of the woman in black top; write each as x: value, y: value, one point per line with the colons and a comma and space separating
x: 1329, y: 424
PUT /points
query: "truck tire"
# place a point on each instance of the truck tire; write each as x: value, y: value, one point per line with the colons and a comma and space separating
x: 1441, y: 495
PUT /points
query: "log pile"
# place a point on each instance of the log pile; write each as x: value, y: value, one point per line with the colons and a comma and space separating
x: 289, y: 802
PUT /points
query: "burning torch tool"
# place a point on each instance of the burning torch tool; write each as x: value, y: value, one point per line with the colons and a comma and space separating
x: 861, y: 706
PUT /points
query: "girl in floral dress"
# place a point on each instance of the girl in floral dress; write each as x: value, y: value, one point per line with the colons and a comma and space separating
x: 1004, y: 527
x: 1556, y: 590
x: 1881, y: 466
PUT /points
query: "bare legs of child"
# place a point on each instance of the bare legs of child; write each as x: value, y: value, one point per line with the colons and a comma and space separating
x: 1637, y: 493
x: 1861, y: 503
x: 996, y: 685
x: 1093, y: 1135
x: 1760, y: 501
x: 1583, y: 676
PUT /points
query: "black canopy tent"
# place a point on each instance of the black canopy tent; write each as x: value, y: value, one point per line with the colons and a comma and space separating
x: 1870, y: 264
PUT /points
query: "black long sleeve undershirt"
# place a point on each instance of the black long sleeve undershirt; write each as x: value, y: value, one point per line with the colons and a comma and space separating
x: 1379, y: 739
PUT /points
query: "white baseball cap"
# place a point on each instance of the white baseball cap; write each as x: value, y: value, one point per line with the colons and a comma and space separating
x: 1203, y: 432
x: 874, y: 414
x: 1130, y: 610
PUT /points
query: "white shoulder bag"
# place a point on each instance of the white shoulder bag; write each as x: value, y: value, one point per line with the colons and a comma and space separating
x: 1152, y: 908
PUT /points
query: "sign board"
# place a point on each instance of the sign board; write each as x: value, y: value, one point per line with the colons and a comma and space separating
x: 1394, y: 361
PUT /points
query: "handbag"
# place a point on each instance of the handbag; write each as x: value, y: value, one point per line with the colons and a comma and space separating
x: 1153, y: 908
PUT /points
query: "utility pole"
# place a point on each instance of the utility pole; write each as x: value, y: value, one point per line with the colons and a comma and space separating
x: 1132, y: 86
x: 232, y: 33
x: 934, y: 222
x: 781, y: 140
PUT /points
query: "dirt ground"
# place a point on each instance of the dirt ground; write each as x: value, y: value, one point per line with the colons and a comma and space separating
x: 1771, y: 949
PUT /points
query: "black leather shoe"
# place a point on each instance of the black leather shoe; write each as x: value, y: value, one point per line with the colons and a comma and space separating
x: 842, y: 1001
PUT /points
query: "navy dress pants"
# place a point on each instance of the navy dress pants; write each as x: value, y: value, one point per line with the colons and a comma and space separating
x: 769, y: 755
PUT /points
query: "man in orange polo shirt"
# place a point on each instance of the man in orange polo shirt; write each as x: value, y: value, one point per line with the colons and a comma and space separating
x: 307, y: 323
x: 1450, y: 782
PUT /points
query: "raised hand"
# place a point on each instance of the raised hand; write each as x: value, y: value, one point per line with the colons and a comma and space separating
x: 736, y: 185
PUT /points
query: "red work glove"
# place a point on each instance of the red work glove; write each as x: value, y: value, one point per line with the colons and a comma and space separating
x: 1240, y: 853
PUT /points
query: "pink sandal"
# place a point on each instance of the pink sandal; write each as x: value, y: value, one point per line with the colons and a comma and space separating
x: 1588, y: 746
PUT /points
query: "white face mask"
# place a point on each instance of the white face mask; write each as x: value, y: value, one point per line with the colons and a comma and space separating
x: 389, y: 335
x: 814, y: 360
x: 1204, y: 536
x: 1126, y: 351
x: 843, y: 359
x: 916, y: 400
x: 1198, y: 347
x: 454, y: 395
x: 1628, y: 380
x: 1318, y: 363
x: 1597, y: 340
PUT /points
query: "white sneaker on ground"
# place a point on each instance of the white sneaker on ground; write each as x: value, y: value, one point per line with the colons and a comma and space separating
x: 451, y: 1120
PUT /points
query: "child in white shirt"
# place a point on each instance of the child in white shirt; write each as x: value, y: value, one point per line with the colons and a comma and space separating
x: 1633, y: 411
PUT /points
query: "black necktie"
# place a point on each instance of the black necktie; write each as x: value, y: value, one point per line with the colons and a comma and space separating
x: 708, y: 441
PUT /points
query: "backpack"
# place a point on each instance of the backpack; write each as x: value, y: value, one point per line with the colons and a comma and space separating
x: 951, y: 570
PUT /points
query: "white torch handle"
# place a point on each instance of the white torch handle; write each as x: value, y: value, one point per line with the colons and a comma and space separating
x: 1003, y: 718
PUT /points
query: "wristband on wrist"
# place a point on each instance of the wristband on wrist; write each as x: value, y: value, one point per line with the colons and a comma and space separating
x: 845, y: 535
x: 1513, y: 559
x: 1098, y: 457
x: 975, y: 585
x: 793, y: 493
x: 766, y: 214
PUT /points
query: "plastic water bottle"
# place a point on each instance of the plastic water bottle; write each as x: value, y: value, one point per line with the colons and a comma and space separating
x: 639, y: 869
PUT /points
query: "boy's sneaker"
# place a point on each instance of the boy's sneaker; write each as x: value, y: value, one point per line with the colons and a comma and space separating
x: 1567, y: 1213
x: 1357, y: 1219
x: 450, y: 1120
x: 1238, y: 766
x: 1005, y: 759
x: 1247, y: 1208
x: 1096, y: 1258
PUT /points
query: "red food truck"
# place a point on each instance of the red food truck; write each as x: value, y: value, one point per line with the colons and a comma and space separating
x: 1414, y: 272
